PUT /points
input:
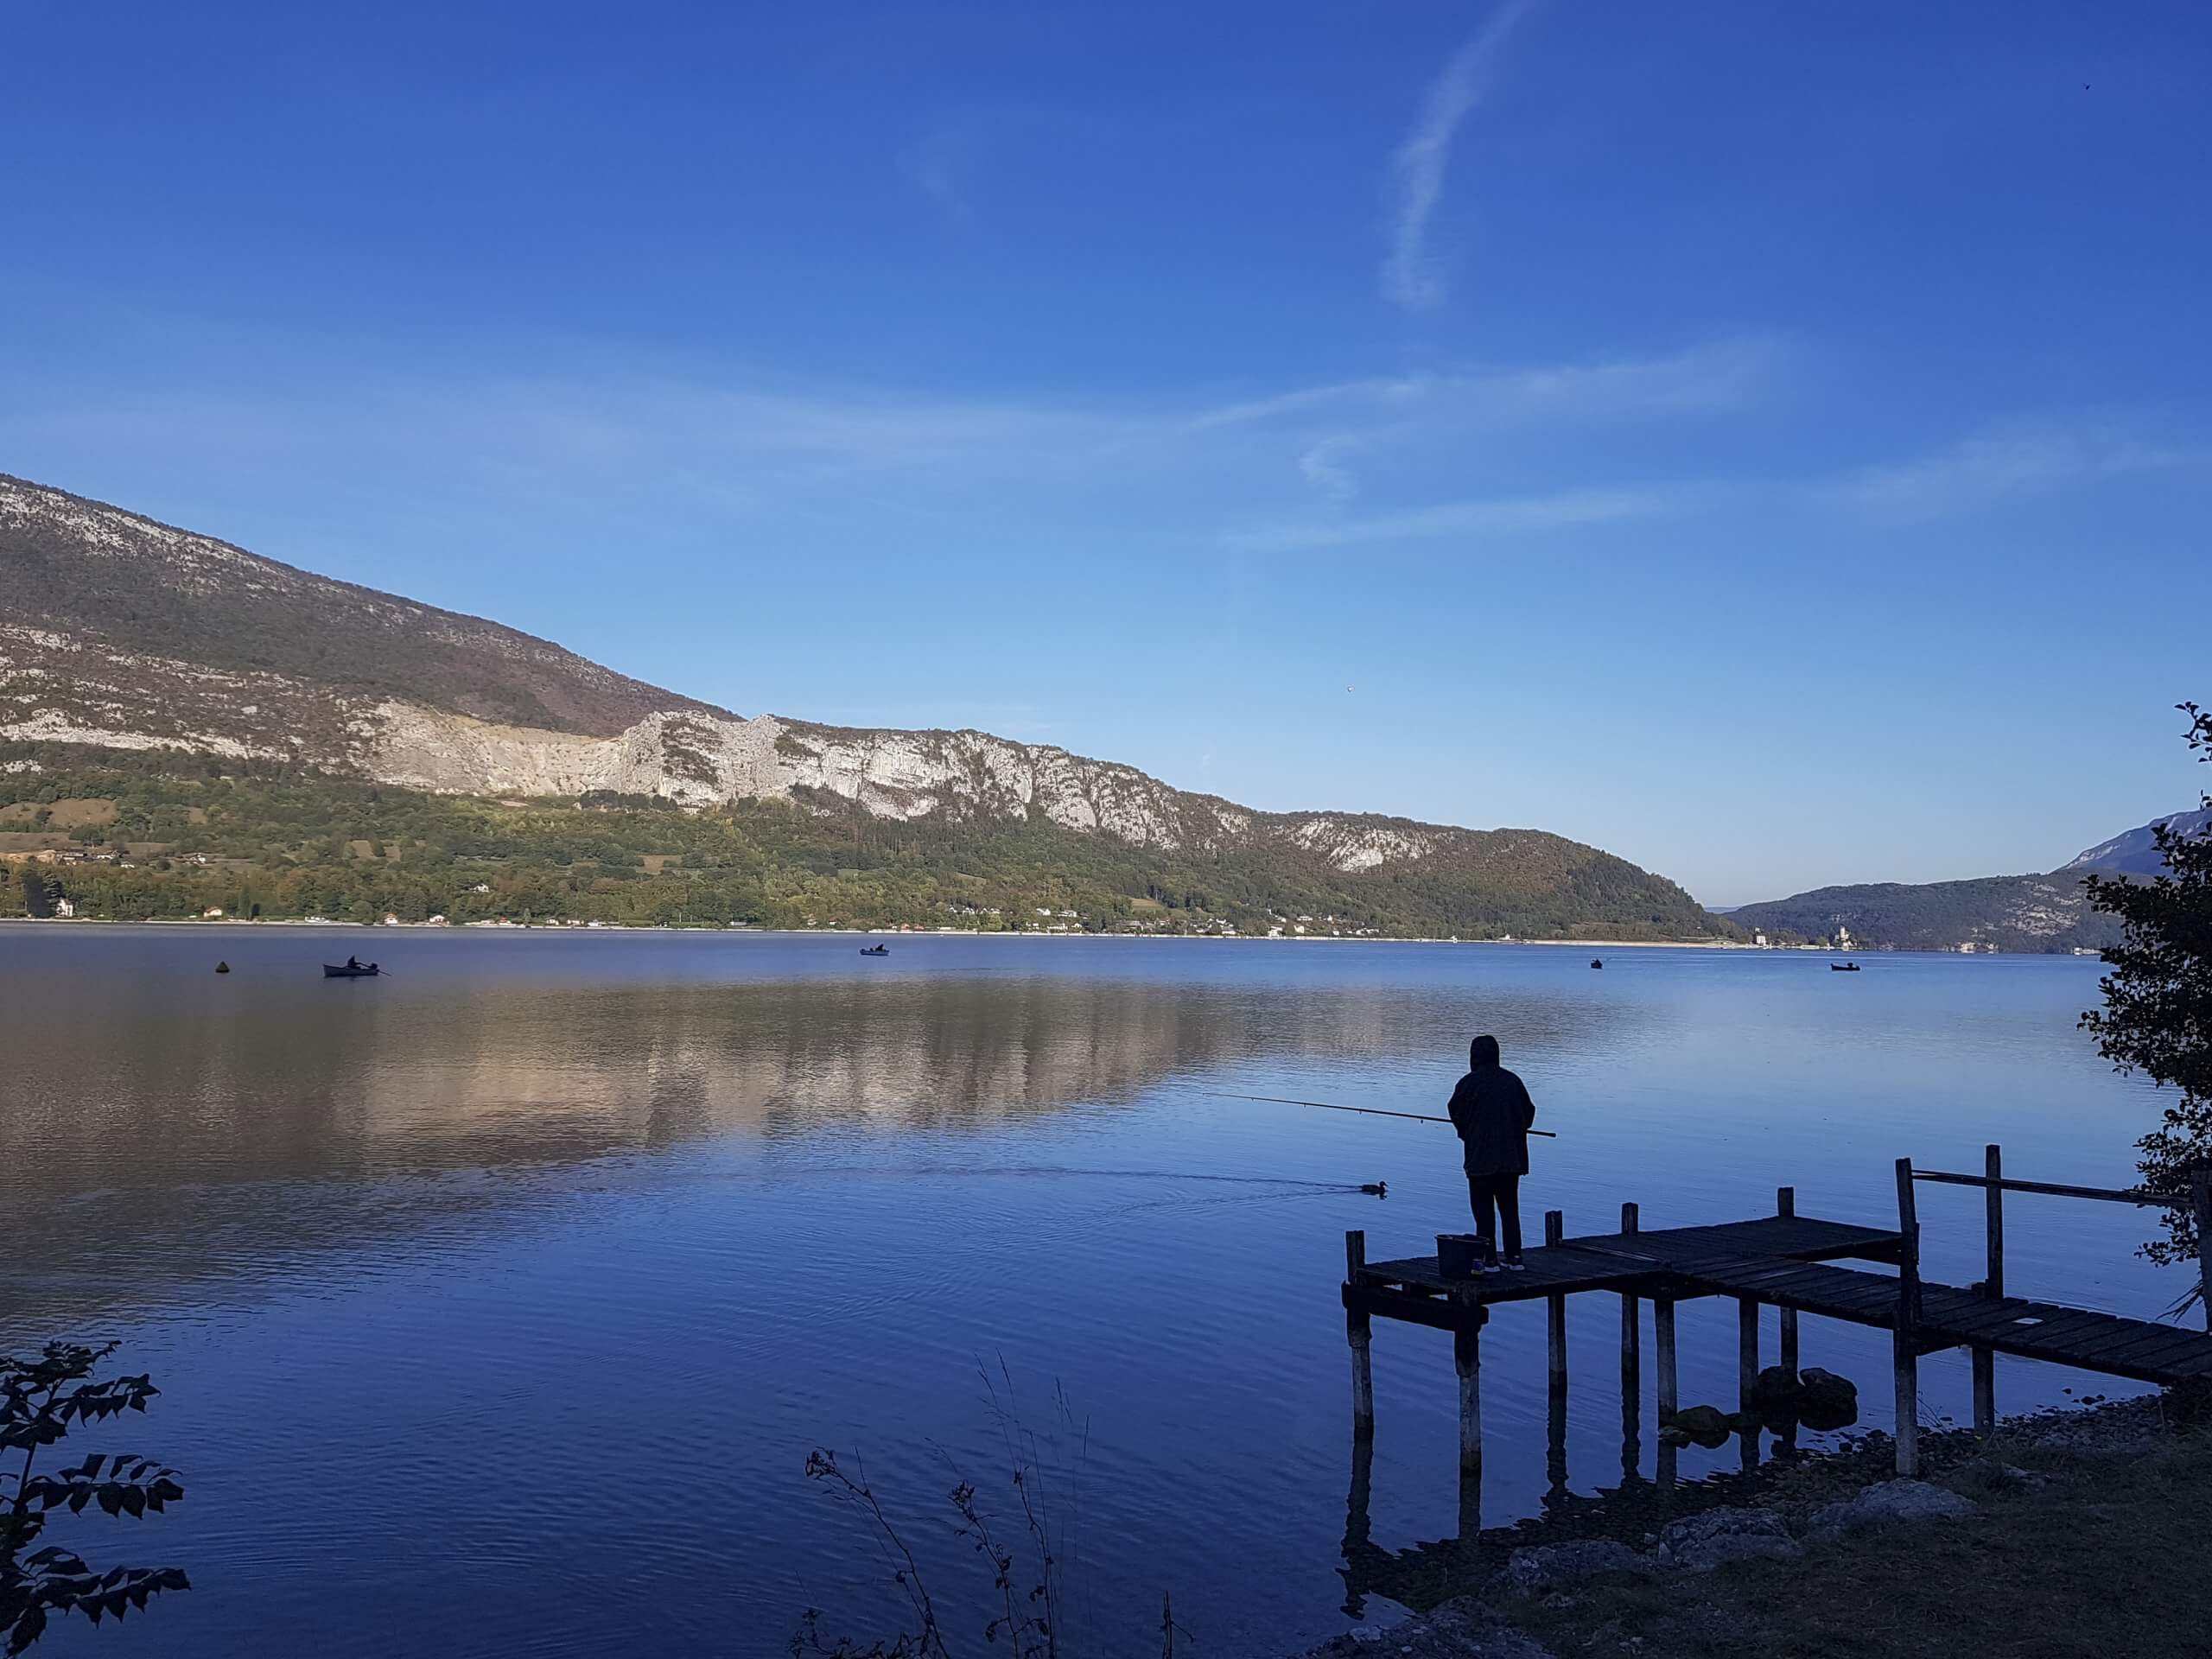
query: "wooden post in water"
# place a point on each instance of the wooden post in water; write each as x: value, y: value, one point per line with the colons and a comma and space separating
x: 1785, y: 1206
x: 1985, y: 1360
x: 1467, y: 1358
x: 1905, y: 1345
x: 1747, y: 1371
x: 1360, y: 1332
x: 1747, y: 1350
x: 1555, y: 1323
x: 2201, y: 1190
x: 1631, y: 1369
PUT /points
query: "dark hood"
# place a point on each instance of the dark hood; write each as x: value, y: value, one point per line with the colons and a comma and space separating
x: 1481, y: 1052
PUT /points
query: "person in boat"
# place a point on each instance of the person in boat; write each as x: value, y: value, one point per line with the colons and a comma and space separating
x: 1491, y: 1110
x: 353, y: 962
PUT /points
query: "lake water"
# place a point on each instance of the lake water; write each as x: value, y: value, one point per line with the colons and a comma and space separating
x: 497, y: 1303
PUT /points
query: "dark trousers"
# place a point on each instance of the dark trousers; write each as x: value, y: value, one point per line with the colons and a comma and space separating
x: 1494, y: 1199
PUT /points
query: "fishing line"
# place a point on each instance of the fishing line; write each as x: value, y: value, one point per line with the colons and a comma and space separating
x: 1330, y: 1106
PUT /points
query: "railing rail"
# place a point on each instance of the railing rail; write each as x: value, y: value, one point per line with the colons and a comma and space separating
x: 2056, y: 1188
x: 1994, y: 1184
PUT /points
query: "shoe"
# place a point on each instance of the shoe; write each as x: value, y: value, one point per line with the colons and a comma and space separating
x: 1515, y: 1264
x: 1486, y: 1267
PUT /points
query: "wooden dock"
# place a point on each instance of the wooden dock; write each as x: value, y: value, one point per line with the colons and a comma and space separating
x: 1784, y: 1261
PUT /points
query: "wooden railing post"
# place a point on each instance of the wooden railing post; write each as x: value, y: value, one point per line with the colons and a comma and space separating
x: 1985, y: 1360
x: 1905, y: 1345
x: 1992, y: 1202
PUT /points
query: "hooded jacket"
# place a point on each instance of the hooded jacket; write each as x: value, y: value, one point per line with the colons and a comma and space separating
x: 1491, y: 1110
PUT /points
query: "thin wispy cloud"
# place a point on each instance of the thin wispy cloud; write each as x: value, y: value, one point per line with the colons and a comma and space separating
x: 1413, y: 276
x: 1714, y: 375
x: 1494, y: 516
x: 1323, y: 466
x: 2016, y: 463
x: 1304, y: 400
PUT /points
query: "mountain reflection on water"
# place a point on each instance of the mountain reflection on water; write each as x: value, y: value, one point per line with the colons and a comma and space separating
x: 182, y: 1109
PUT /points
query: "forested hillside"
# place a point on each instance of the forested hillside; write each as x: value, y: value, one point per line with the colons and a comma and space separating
x: 137, y: 836
x: 2009, y: 912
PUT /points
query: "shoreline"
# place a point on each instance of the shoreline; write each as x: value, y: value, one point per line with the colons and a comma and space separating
x: 945, y: 933
x: 980, y: 934
x: 2084, y: 1512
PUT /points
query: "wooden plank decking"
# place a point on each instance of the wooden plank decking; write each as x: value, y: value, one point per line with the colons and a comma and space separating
x: 1622, y: 1261
x: 2143, y: 1350
x: 1787, y: 1262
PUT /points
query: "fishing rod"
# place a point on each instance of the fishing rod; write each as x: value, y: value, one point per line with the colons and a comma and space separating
x: 1365, y: 1112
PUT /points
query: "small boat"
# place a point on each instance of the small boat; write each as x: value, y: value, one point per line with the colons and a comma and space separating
x: 1596, y: 963
x: 1843, y: 967
x: 351, y: 970
x: 875, y: 949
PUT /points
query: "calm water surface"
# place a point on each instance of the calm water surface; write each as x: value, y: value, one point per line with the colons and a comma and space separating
x: 497, y: 1303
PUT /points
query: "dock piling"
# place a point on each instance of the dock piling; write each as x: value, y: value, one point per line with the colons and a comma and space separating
x: 1631, y: 1368
x: 1555, y: 1330
x: 1359, y: 1331
x: 1555, y: 1306
x: 1785, y: 1204
x: 1747, y: 1370
x: 1905, y: 1346
x: 1468, y: 1360
x: 1985, y: 1359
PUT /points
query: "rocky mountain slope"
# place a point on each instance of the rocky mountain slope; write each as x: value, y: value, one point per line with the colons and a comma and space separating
x: 123, y: 634
x: 2136, y: 852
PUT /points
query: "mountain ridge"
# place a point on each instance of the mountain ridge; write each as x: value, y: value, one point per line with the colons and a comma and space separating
x: 132, y: 636
x: 2135, y: 852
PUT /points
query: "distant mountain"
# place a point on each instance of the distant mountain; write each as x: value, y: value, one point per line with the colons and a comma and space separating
x: 132, y: 645
x: 2135, y: 853
x: 2010, y: 912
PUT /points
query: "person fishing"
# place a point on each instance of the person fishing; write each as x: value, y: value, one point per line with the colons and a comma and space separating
x: 1491, y: 1111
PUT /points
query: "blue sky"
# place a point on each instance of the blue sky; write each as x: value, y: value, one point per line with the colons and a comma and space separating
x: 1774, y: 443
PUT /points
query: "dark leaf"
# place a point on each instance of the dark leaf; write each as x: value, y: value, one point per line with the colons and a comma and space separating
x: 29, y: 1628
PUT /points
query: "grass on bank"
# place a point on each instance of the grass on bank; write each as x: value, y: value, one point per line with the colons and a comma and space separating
x: 2109, y: 1559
